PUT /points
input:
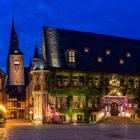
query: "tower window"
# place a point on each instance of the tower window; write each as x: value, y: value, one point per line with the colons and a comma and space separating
x: 100, y: 59
x: 16, y: 64
x: 121, y: 61
x: 71, y: 54
x: 128, y: 54
x: 108, y: 52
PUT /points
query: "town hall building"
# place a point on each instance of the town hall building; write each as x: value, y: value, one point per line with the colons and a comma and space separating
x: 82, y: 77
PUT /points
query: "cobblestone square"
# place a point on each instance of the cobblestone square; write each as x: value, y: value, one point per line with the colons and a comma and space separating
x: 24, y: 130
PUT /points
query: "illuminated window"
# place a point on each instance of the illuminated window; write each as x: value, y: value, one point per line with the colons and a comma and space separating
x: 71, y: 56
x: 128, y: 54
x: 100, y: 59
x: 86, y: 50
x: 121, y: 61
x: 16, y: 64
x: 108, y: 52
x: 54, y: 62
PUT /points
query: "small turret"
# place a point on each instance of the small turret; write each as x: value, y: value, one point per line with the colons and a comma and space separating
x: 40, y: 75
x: 36, y: 54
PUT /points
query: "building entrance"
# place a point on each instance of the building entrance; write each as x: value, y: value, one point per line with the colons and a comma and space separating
x: 114, y: 109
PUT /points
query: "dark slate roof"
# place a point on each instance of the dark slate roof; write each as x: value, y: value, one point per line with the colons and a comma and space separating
x: 40, y: 64
x: 36, y: 55
x: 58, y: 41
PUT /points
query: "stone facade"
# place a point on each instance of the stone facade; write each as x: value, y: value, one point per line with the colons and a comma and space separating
x: 16, y: 76
x: 83, y: 106
x: 80, y: 77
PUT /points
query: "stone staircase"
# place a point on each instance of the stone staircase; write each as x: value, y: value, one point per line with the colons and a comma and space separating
x: 118, y: 120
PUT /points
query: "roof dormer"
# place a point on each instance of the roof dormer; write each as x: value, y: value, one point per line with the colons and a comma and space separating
x: 70, y: 56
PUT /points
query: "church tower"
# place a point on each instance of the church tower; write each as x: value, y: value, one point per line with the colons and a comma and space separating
x: 16, y: 80
x: 15, y: 63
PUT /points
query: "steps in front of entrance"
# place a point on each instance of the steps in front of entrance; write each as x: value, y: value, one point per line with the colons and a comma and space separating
x: 118, y: 120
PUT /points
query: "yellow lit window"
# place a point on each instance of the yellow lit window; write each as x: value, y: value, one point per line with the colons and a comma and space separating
x: 121, y: 61
x: 100, y: 59
x: 72, y: 56
x: 128, y: 54
x: 108, y: 52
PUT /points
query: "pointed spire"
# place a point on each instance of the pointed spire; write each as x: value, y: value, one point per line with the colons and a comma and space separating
x: 30, y: 65
x: 36, y: 55
x: 13, y: 39
x: 13, y: 25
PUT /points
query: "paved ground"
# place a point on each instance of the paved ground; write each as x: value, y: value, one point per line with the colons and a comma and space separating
x: 23, y: 130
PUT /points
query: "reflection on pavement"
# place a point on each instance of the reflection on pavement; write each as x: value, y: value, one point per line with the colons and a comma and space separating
x: 2, y: 127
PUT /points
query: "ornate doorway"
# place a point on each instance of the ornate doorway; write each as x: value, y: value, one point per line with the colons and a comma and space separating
x: 114, y: 109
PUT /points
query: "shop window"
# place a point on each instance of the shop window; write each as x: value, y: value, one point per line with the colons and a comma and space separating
x: 19, y: 105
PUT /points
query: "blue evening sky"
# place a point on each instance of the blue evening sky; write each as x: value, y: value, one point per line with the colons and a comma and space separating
x: 111, y: 17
